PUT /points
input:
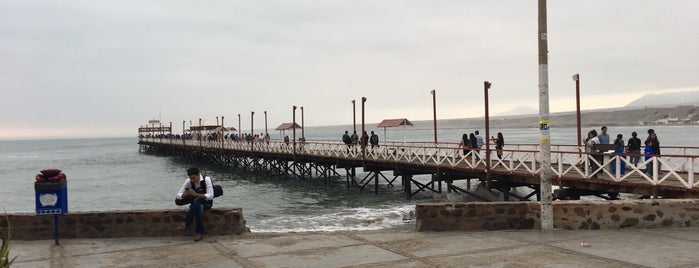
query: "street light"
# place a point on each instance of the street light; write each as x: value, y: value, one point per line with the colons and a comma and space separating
x: 266, y: 123
x: 362, y: 142
x: 239, y: 128
x: 293, y: 125
x: 486, y: 86
x: 434, y: 113
x: 354, y: 116
x: 303, y: 136
x: 252, y: 130
x: 544, y: 121
x: 576, y: 78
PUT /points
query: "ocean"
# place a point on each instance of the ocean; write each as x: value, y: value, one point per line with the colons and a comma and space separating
x: 110, y: 174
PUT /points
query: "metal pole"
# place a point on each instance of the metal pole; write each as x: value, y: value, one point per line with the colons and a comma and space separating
x: 303, y: 128
x: 293, y: 125
x: 266, y: 123
x: 486, y: 86
x: 239, y: 127
x: 200, y: 137
x: 354, y: 116
x: 576, y: 77
x: 544, y: 123
x: 434, y: 113
x: 222, y: 129
x: 183, y: 127
x: 252, y: 130
x: 363, y: 147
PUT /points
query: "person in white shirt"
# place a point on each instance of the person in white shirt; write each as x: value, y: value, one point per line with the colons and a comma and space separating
x: 198, y: 191
x: 592, y: 140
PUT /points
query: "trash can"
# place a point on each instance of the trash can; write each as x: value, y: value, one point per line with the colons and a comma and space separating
x: 51, y: 197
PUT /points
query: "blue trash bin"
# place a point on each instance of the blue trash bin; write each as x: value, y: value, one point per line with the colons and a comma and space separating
x: 51, y: 197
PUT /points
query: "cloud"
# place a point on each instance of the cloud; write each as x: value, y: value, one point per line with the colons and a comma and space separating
x: 79, y: 67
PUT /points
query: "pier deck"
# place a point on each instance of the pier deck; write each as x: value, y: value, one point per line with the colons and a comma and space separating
x: 519, y: 166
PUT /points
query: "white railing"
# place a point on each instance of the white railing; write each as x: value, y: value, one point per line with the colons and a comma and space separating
x: 677, y: 164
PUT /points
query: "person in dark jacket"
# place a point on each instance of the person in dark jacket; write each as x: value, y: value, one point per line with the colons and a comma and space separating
x: 474, y: 144
x: 634, y: 148
x: 652, y: 150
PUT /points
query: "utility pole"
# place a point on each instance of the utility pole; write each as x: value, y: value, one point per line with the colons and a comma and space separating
x: 544, y: 123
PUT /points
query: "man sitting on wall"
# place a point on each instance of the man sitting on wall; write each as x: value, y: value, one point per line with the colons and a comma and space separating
x: 200, y: 190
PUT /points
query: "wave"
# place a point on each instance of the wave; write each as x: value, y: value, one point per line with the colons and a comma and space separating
x: 348, y: 219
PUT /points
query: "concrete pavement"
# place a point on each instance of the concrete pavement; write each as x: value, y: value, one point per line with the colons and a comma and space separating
x: 385, y: 248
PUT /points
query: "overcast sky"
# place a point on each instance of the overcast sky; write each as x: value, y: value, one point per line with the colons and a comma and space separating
x: 102, y: 68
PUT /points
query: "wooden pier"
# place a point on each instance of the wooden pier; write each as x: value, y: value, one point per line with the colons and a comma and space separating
x: 383, y: 165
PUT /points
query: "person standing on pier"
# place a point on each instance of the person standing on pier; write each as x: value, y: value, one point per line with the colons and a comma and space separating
x: 619, y: 149
x: 347, y: 140
x: 200, y: 190
x: 499, y: 144
x: 479, y: 140
x: 591, y: 141
x: 652, y: 150
x: 473, y: 141
x: 465, y: 144
x: 374, y: 140
x: 634, y: 148
x: 603, y: 137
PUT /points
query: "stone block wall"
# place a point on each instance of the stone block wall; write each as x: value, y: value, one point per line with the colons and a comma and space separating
x: 111, y: 224
x: 580, y: 214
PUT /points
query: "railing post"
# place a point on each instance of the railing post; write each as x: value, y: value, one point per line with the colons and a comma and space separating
x: 690, y: 172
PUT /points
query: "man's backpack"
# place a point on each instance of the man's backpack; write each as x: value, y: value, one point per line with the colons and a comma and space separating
x: 218, y: 190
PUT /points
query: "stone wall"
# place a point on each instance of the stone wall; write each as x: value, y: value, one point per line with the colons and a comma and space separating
x: 580, y: 214
x: 137, y: 223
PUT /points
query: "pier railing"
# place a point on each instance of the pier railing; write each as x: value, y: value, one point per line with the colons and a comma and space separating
x: 677, y: 166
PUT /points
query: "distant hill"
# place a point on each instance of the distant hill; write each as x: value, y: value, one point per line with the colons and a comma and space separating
x: 519, y: 110
x: 610, y: 117
x: 667, y: 99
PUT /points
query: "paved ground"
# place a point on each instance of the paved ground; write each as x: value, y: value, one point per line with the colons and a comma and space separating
x: 387, y: 248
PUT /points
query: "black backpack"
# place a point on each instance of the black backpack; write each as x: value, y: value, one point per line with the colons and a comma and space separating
x: 218, y: 190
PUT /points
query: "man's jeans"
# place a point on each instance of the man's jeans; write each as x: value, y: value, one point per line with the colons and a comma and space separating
x: 196, y: 212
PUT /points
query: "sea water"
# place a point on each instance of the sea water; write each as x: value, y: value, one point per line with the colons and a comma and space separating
x: 110, y: 174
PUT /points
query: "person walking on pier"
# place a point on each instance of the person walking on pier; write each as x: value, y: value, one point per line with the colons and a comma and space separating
x: 347, y: 140
x: 479, y: 140
x: 200, y: 190
x: 634, y: 148
x: 465, y: 144
x: 473, y: 142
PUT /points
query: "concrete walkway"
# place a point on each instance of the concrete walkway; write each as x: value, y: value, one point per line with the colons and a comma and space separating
x: 386, y: 248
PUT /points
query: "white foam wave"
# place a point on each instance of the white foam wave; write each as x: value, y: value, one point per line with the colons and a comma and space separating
x: 348, y: 219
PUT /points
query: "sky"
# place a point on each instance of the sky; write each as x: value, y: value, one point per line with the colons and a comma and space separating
x: 86, y: 68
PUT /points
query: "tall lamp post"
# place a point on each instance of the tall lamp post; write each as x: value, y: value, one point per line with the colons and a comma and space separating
x: 239, y: 128
x: 362, y: 142
x: 576, y: 78
x: 183, y: 128
x: 544, y: 123
x: 293, y: 125
x: 486, y: 86
x: 266, y: 123
x: 222, y: 130
x: 434, y: 113
x: 252, y: 130
x: 303, y: 128
x: 354, y: 116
